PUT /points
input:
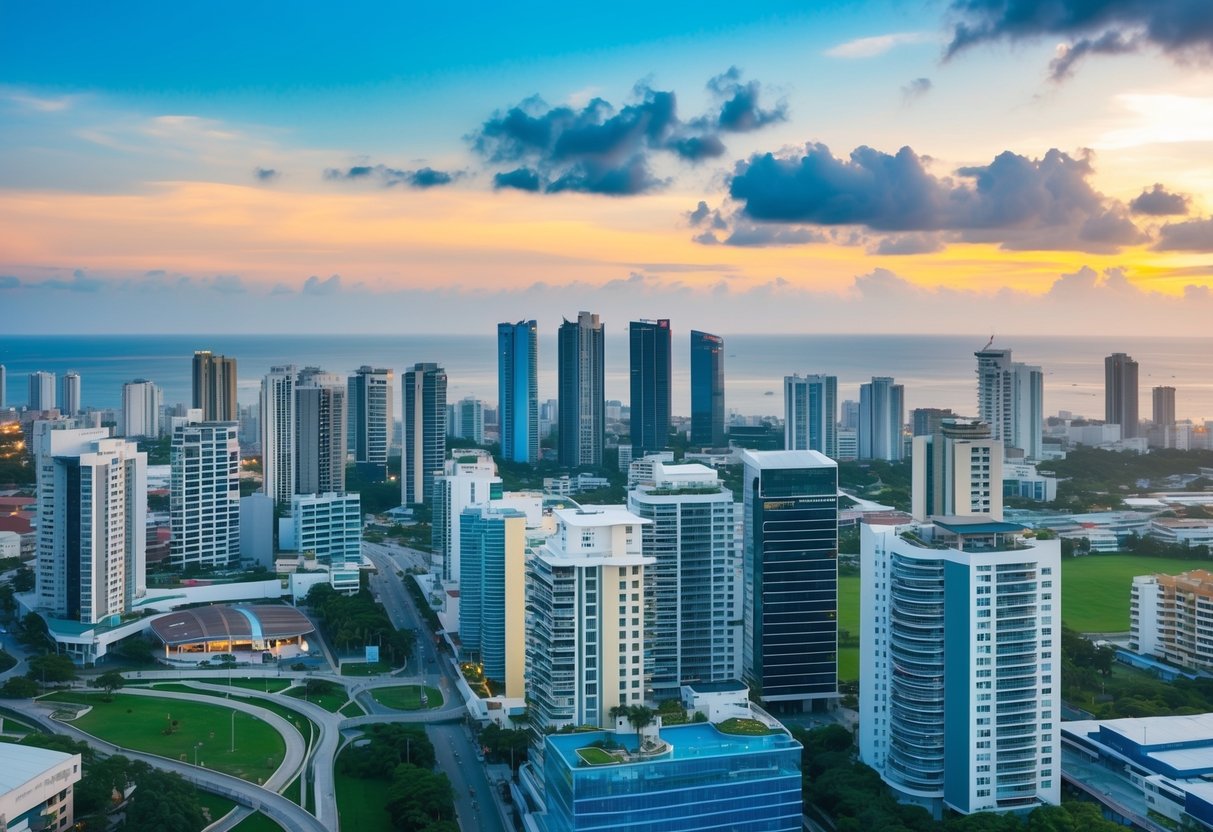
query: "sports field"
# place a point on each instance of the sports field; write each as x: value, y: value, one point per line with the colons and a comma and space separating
x: 1095, y: 588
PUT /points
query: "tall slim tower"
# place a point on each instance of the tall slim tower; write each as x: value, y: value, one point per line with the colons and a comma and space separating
x: 1010, y: 399
x: 957, y: 471
x: 651, y: 385
x: 424, y: 442
x: 141, y: 403
x: 811, y: 414
x: 582, y: 403
x: 41, y: 391
x: 69, y: 393
x: 518, y: 390
x: 492, y: 594
x: 320, y: 419
x: 215, y: 386
x: 3, y: 387
x: 1164, y: 406
x: 1120, y: 393
x: 370, y: 399
x: 92, y: 498
x: 707, y: 390
x: 881, y: 416
x: 204, y: 496
x: 790, y: 560
x: 278, y: 433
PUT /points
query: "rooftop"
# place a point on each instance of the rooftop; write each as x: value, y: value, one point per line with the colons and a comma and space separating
x: 20, y: 764
x: 222, y: 622
x: 787, y: 459
x: 596, y: 516
x: 975, y: 525
x: 686, y: 742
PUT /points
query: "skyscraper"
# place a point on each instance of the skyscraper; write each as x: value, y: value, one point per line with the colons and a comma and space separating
x: 92, y: 498
x: 1164, y: 406
x: 424, y: 443
x: 41, y: 391
x: 586, y: 599
x: 925, y: 421
x: 215, y: 386
x: 3, y: 387
x: 582, y: 403
x: 492, y: 594
x: 650, y: 347
x: 462, y: 484
x: 694, y: 587
x: 204, y: 496
x: 881, y: 416
x: 141, y: 403
x: 811, y: 414
x: 278, y: 433
x: 518, y: 390
x: 1120, y: 393
x: 320, y: 418
x: 1010, y: 399
x: 69, y: 393
x: 465, y: 419
x: 957, y: 471
x: 707, y: 390
x: 370, y: 399
x: 790, y: 562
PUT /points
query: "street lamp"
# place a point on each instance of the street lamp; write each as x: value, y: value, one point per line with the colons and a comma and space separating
x: 233, y: 730
x: 196, y: 747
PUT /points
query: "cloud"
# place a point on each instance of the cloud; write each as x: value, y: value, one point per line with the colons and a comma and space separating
x: 79, y: 282
x: 388, y: 177
x: 871, y: 47
x: 1181, y: 29
x: 523, y: 179
x: 754, y: 235
x: 916, y: 89
x: 265, y: 174
x: 1159, y: 202
x: 328, y: 286
x: 1018, y: 202
x: 227, y: 284
x: 1190, y: 235
x: 706, y: 217
x: 917, y: 243
x: 41, y: 104
x: 740, y: 111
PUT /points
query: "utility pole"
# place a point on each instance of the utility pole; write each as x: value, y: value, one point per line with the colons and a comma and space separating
x: 233, y: 730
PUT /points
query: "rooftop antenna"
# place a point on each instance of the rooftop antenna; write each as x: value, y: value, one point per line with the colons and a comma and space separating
x: 988, y: 344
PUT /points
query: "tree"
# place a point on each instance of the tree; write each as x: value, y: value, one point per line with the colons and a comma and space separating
x: 136, y: 650
x: 225, y: 660
x: 23, y: 580
x: 51, y: 668
x: 418, y: 797
x: 641, y: 717
x: 109, y: 682
x: 163, y: 801
x: 18, y: 687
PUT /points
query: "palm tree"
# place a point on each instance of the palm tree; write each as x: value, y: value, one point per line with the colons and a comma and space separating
x: 618, y: 711
x: 641, y: 717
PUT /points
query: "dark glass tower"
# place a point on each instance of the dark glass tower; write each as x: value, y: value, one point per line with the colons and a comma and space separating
x: 790, y: 643
x: 424, y: 443
x: 707, y: 390
x: 214, y: 386
x: 518, y: 390
x: 651, y: 387
x: 581, y: 372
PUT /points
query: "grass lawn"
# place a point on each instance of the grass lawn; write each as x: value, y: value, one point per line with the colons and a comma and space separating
x: 361, y: 804
x: 594, y: 756
x: 138, y: 722
x: 365, y: 669
x: 257, y: 822
x: 266, y: 684
x: 1095, y: 588
x: 407, y: 697
x: 331, y: 701
x: 352, y: 709
x: 217, y: 806
x: 848, y: 619
x: 737, y: 725
x: 848, y: 664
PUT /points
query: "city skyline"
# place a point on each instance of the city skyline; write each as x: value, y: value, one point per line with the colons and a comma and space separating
x: 684, y: 158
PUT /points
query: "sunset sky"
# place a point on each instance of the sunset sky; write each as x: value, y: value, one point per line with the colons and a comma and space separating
x: 1025, y: 166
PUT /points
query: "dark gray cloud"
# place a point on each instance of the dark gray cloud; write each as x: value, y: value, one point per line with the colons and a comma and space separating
x: 1159, y: 202
x: 79, y: 282
x: 755, y: 235
x: 316, y: 286
x: 1018, y: 202
x: 388, y: 177
x: 602, y: 149
x: 916, y: 89
x: 1178, y: 28
x: 1190, y: 235
x: 916, y: 243
x: 265, y: 174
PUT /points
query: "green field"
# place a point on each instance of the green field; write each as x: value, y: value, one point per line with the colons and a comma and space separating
x: 331, y: 701
x: 139, y: 722
x: 361, y: 804
x: 1095, y: 589
x: 848, y: 619
x: 265, y: 684
x: 257, y: 823
x: 352, y: 709
x: 407, y: 697
x: 215, y: 805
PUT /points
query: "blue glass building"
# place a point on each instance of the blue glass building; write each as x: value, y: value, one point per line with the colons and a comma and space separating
x: 707, y: 389
x: 518, y: 390
x: 423, y: 450
x: 651, y: 385
x: 708, y: 780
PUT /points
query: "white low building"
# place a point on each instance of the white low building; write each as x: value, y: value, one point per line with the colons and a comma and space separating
x: 36, y: 788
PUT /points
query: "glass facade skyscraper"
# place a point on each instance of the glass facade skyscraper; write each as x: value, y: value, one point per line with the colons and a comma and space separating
x: 518, y: 390
x: 580, y: 378
x: 1120, y: 393
x: 811, y: 414
x: 651, y: 385
x: 881, y: 418
x: 707, y: 390
x: 424, y: 440
x: 214, y: 386
x: 369, y: 399
x: 492, y: 597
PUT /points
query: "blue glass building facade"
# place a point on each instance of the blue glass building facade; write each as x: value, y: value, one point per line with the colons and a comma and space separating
x: 707, y: 389
x: 708, y: 781
x: 518, y: 390
x: 651, y: 385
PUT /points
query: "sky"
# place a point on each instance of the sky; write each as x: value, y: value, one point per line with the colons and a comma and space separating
x: 1012, y: 166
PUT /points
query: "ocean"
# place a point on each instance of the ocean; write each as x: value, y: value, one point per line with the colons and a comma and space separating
x: 937, y: 370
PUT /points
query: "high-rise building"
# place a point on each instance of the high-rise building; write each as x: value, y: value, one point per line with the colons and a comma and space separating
x: 1164, y: 406
x: 215, y: 386
x: 92, y: 505
x: 1120, y: 393
x: 69, y: 393
x: 849, y: 415
x: 464, y: 483
x: 141, y: 405
x: 707, y: 390
x: 652, y: 387
x: 960, y: 680
x: 278, y: 431
x: 586, y: 599
x: 925, y: 421
x: 492, y: 594
x: 790, y: 561
x: 582, y: 403
x: 424, y: 439
x: 881, y: 416
x: 518, y: 390
x: 1010, y: 399
x: 957, y: 471
x: 204, y: 495
x: 370, y: 399
x: 694, y: 582
x: 465, y: 419
x: 1171, y: 617
x: 41, y: 391
x: 811, y: 414
x: 327, y: 527
x: 320, y: 419
x: 994, y: 390
x: 3, y: 387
